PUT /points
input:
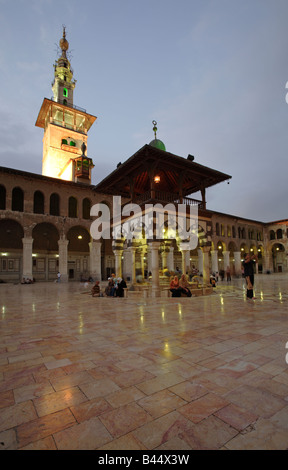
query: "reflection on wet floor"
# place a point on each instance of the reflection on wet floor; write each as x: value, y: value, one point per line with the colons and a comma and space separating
x: 207, y: 372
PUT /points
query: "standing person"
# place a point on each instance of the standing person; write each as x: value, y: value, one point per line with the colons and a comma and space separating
x: 228, y: 274
x: 121, y: 285
x: 248, y: 265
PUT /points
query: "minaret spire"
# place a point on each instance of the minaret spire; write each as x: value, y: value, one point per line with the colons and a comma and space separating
x: 63, y: 85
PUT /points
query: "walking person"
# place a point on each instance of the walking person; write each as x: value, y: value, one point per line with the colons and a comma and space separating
x: 248, y: 266
x: 228, y: 274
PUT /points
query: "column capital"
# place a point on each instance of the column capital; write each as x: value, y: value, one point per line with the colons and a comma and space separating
x: 184, y: 246
x: 154, y: 245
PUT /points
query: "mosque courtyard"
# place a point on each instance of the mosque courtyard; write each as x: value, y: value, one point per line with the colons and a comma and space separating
x: 208, y: 372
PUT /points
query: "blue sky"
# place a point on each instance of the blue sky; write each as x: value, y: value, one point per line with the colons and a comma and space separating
x: 212, y: 73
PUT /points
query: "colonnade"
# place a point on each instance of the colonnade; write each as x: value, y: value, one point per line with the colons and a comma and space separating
x: 125, y: 259
x: 94, y: 255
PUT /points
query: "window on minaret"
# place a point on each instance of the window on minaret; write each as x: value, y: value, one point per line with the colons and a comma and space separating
x: 65, y: 92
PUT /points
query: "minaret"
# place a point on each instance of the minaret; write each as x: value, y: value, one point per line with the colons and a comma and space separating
x: 65, y: 127
x: 63, y: 85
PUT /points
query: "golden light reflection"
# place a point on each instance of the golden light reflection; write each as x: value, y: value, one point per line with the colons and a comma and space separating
x: 81, y: 324
x: 167, y: 347
x: 222, y: 304
x: 68, y: 395
x: 141, y: 311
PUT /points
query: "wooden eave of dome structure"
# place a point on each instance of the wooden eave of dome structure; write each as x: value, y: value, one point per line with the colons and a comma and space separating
x: 178, y: 176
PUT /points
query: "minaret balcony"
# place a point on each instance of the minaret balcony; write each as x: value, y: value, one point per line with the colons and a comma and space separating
x: 69, y: 148
x: 83, y: 166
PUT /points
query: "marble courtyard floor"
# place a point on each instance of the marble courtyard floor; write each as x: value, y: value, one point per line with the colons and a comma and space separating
x: 78, y: 372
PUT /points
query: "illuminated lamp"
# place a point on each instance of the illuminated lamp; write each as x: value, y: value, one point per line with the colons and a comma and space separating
x: 157, y: 179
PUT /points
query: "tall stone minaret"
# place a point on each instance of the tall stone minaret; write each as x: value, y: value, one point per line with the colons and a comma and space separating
x: 65, y: 126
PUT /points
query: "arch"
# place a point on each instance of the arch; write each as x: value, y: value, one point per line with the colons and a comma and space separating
x: 243, y: 249
x: 272, y: 235
x: 45, y: 237
x: 11, y: 234
x: 38, y: 205
x: 108, y: 204
x: 278, y: 247
x: 86, y: 207
x: 79, y: 239
x: 220, y: 246
x: 279, y: 234
x: 253, y: 249
x: 2, y: 197
x: 72, y: 207
x: 232, y: 247
x: 54, y: 208
x: 278, y: 256
x: 17, y: 199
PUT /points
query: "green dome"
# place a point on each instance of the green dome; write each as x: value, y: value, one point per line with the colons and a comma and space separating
x: 158, y: 144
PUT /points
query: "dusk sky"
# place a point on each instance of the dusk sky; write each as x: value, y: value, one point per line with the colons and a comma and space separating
x: 212, y: 73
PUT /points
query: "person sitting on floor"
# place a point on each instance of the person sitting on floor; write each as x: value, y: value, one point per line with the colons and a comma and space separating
x: 184, y: 284
x: 110, y: 287
x: 96, y: 290
x: 175, y: 288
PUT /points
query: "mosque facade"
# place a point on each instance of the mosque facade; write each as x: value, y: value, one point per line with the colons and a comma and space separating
x: 45, y: 220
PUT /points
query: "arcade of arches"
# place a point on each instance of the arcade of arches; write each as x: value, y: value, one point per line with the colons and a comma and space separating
x: 37, y: 245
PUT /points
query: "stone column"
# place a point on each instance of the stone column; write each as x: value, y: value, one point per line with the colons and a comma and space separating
x: 164, y: 258
x: 170, y: 259
x: 268, y: 260
x: 238, y: 266
x: 27, y: 257
x: 142, y: 257
x: 185, y: 251
x: 214, y: 261
x: 118, y: 263
x: 63, y: 259
x: 118, y: 251
x: 187, y: 261
x: 206, y: 270
x: 226, y: 255
x: 131, y: 263
x: 95, y: 260
x: 200, y: 261
x: 154, y: 247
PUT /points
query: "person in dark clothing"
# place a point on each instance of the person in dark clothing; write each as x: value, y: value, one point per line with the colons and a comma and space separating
x: 248, y: 265
x: 121, y: 285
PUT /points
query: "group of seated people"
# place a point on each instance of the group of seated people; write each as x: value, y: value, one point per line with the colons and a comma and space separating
x: 26, y: 280
x: 115, y: 288
x: 178, y: 287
